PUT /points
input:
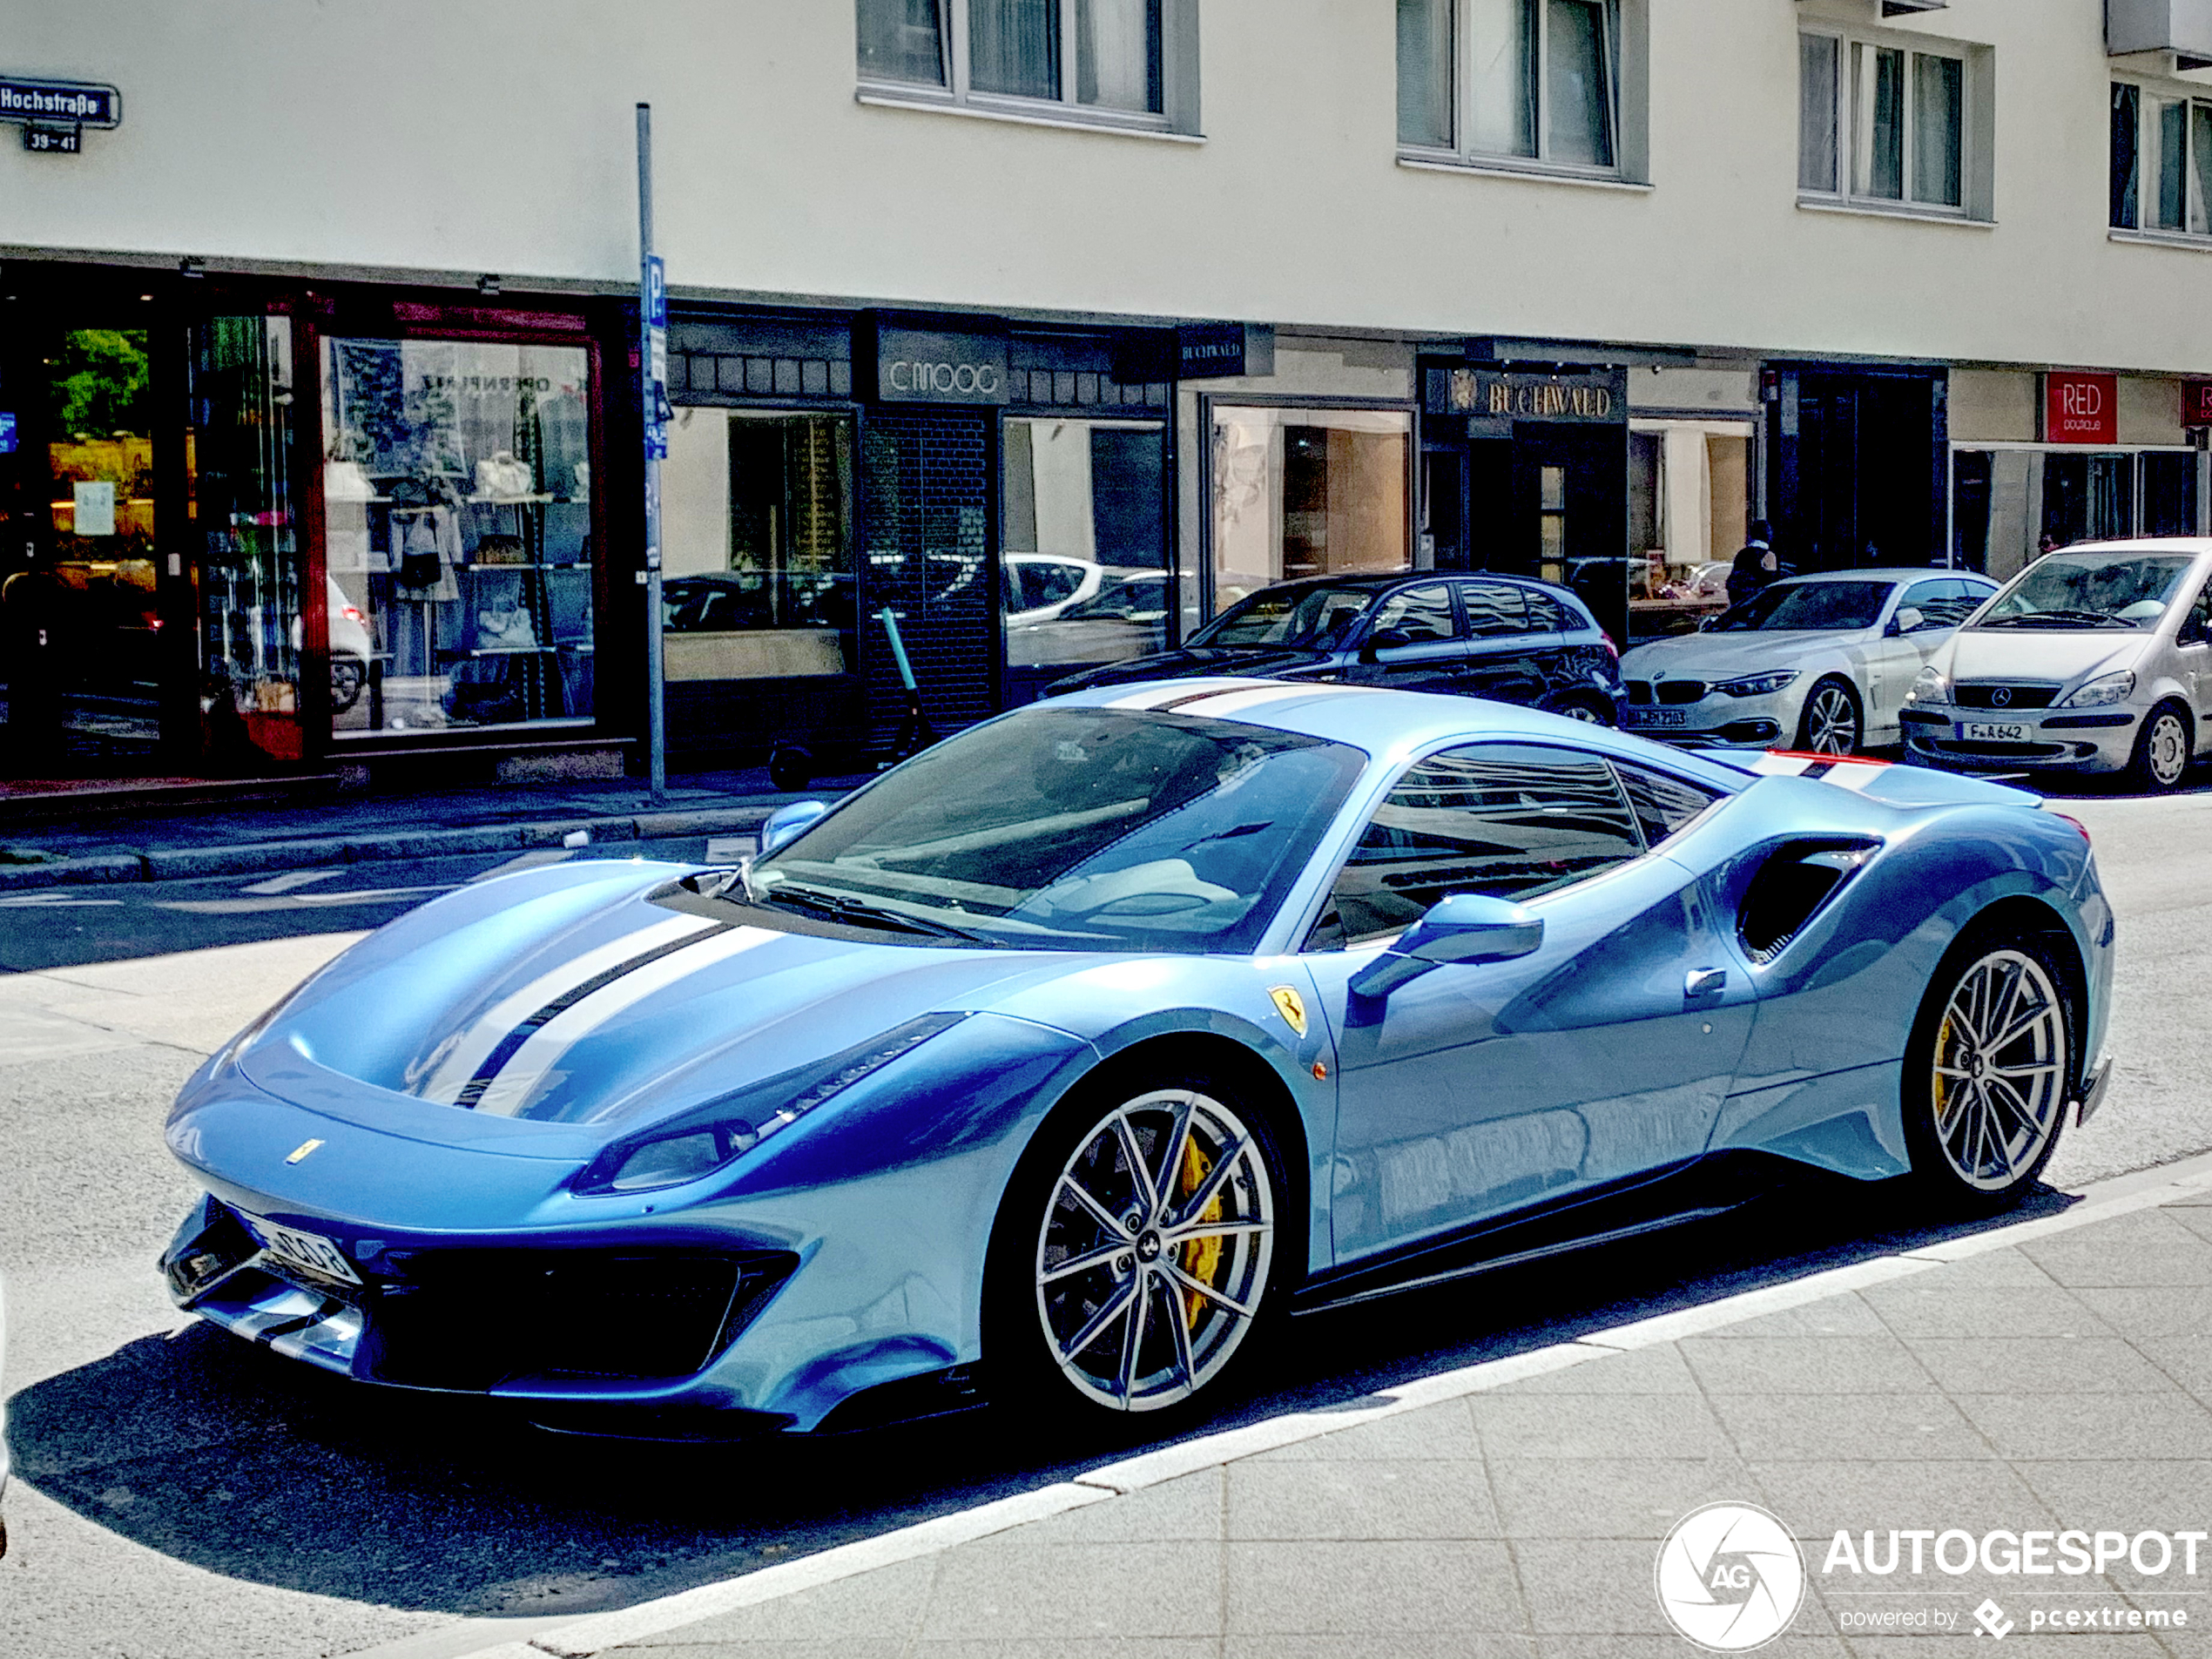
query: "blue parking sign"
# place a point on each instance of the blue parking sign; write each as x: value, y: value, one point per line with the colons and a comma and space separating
x: 7, y: 432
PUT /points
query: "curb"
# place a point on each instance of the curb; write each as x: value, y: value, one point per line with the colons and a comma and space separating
x: 257, y: 858
x: 595, y: 1633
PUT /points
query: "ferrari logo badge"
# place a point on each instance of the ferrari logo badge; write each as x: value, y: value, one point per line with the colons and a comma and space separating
x: 1291, y: 1006
x: 301, y: 1151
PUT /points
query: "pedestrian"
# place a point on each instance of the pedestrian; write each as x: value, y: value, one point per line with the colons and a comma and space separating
x: 1755, y: 564
x: 2049, y: 544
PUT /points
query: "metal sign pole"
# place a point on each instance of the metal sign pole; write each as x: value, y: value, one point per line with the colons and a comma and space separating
x: 652, y: 354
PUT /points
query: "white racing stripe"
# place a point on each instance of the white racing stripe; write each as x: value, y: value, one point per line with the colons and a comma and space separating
x: 508, y: 1092
x: 477, y: 1043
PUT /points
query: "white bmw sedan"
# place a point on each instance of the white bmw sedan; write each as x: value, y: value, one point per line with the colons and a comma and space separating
x: 1816, y: 662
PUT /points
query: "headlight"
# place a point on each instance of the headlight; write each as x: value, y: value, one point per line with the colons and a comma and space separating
x: 1933, y: 686
x: 704, y: 1139
x: 1758, y: 684
x: 2106, y: 688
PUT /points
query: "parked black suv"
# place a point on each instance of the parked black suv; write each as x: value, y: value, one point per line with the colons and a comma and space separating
x: 1507, y: 637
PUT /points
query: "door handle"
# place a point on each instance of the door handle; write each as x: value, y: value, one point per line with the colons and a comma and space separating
x: 1704, y: 983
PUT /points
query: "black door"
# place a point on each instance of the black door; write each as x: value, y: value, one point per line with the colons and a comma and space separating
x: 1856, y: 483
x: 1413, y: 642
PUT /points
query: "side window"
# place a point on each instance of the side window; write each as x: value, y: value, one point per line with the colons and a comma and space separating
x: 1548, y: 616
x: 1507, y: 821
x: 2197, y: 626
x: 1935, y: 601
x: 1423, y: 615
x: 1495, y: 609
x: 1662, y: 805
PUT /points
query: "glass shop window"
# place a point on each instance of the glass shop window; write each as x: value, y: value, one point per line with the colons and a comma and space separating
x: 457, y: 504
x: 1307, y: 492
x: 1690, y: 510
x: 757, y: 572
x: 1084, y: 555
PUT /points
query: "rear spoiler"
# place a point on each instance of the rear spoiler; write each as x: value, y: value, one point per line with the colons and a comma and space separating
x: 1893, y: 785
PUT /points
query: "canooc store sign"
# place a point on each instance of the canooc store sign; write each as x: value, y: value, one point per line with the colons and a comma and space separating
x: 929, y: 366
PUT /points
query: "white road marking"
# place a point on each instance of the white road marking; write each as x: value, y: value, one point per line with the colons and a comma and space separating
x: 292, y: 879
x: 537, y: 859
x: 291, y: 901
x: 49, y: 900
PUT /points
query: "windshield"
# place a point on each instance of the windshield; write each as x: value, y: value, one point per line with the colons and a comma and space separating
x: 1307, y: 619
x: 1807, y: 607
x: 2089, y: 589
x: 1089, y: 829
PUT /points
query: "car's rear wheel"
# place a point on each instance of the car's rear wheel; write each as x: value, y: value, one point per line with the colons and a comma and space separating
x: 1136, y: 1257
x: 1588, y: 710
x: 1988, y: 1073
x: 2161, y: 757
x: 1832, y: 723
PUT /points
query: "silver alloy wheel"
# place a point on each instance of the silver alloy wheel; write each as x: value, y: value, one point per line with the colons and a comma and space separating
x: 1831, y: 721
x: 1153, y: 1255
x: 2167, y: 744
x: 1999, y: 1086
x: 1583, y: 712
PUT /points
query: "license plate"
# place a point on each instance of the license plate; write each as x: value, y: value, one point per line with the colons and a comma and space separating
x: 1988, y: 731
x: 310, y: 1250
x: 1655, y: 716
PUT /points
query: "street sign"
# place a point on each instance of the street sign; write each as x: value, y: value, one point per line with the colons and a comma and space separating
x: 7, y: 432
x: 654, y: 284
x: 34, y: 97
x: 53, y: 141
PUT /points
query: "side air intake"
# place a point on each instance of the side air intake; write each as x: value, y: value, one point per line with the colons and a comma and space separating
x: 1789, y: 889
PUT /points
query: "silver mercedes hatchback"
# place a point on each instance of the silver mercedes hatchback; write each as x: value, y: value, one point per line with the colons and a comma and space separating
x: 2096, y: 659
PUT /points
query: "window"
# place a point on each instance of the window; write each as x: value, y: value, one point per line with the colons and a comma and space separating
x: 1420, y: 616
x: 1498, y: 610
x: 1529, y: 81
x: 1664, y: 805
x: 1507, y: 821
x: 1112, y: 61
x: 1880, y: 122
x: 1307, y: 492
x: 1690, y: 486
x: 2162, y: 162
x: 1943, y: 603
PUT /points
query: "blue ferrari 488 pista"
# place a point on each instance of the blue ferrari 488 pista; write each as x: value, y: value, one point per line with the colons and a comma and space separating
x: 1064, y: 1058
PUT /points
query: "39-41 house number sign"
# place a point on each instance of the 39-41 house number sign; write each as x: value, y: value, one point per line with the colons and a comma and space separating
x: 54, y: 114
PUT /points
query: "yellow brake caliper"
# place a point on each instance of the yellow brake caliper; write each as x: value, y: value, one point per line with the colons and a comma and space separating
x: 1945, y: 1087
x: 1199, y: 1257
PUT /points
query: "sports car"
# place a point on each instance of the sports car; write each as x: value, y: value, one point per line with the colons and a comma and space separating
x: 1067, y: 1056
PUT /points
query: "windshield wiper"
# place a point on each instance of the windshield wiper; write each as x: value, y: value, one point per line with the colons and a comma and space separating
x: 2057, y: 618
x: 859, y: 913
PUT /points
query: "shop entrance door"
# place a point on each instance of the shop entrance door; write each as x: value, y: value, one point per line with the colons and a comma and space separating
x: 1570, y: 514
x: 79, y: 601
x: 1856, y: 478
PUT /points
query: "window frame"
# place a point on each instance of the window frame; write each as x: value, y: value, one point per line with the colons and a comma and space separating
x: 1177, y: 117
x: 1973, y: 110
x: 2192, y: 98
x: 1623, y: 31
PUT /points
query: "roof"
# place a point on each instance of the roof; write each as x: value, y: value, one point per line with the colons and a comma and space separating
x: 1889, y: 574
x: 1379, y: 579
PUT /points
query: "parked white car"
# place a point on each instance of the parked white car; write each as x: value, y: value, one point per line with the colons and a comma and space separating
x: 4, y: 1413
x: 1816, y: 662
x: 2094, y: 660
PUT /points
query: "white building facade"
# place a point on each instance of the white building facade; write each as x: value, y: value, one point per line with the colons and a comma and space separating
x: 1048, y: 325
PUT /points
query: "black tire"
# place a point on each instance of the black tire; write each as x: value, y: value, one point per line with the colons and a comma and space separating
x: 347, y: 676
x: 1592, y: 711
x: 2164, y: 750
x: 790, y: 768
x: 1834, y: 721
x: 1166, y: 1379
x: 1982, y: 1120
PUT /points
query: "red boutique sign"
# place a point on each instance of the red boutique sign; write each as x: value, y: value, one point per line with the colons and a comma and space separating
x: 2080, y: 408
x: 2197, y: 403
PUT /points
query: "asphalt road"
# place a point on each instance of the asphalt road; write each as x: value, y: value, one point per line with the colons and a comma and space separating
x: 181, y: 1494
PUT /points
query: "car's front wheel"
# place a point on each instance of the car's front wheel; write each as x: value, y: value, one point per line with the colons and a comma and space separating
x: 1831, y: 723
x: 1987, y: 1077
x: 2162, y: 756
x: 1136, y: 1257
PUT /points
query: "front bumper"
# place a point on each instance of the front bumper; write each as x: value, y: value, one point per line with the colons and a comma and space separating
x: 1716, y: 721
x: 2054, y: 740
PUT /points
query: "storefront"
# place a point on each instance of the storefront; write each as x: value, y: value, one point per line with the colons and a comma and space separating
x: 1857, y: 457
x: 260, y: 528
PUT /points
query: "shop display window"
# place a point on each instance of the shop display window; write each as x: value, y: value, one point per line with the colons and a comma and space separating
x: 1690, y: 510
x: 1083, y: 554
x: 457, y: 508
x: 1301, y: 492
x: 2010, y: 505
x: 757, y: 535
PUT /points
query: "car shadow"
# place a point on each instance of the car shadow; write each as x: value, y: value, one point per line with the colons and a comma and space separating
x: 223, y: 1456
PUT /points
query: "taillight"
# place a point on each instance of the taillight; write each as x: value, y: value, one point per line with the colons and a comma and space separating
x: 1612, y: 649
x: 2080, y: 827
x: 352, y: 613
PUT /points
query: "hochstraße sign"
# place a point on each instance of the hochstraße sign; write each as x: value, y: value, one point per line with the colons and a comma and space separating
x: 32, y: 98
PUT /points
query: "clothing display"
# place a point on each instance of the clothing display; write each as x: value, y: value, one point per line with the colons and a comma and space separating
x: 427, y: 544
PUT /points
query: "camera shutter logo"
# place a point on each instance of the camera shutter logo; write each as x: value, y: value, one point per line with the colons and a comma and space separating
x: 1730, y: 1577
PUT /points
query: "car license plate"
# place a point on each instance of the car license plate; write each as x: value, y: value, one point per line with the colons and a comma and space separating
x: 1632, y: 716
x: 310, y: 1250
x: 1989, y: 731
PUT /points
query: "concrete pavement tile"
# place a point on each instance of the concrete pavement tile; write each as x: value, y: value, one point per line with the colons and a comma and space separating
x: 1062, y: 1648
x: 1609, y: 1497
x: 2079, y: 1645
x: 1590, y: 1585
x: 1656, y: 1370
x: 2099, y: 1428
x: 2187, y: 1359
x: 1364, y: 1590
x: 1832, y: 1316
x: 882, y: 1605
x: 771, y: 1647
x: 1189, y: 1507
x: 2039, y: 1364
x: 1997, y: 1268
x: 1368, y: 1499
x: 1868, y: 1365
x: 1927, y: 1306
x: 1810, y: 1427
x: 1818, y: 1500
x: 2148, y: 1312
x: 2130, y: 1494
x: 2147, y: 1249
x: 1794, y: 1644
x: 1596, y: 1426
x: 1005, y: 1586
x: 1440, y: 1431
x: 1384, y: 1644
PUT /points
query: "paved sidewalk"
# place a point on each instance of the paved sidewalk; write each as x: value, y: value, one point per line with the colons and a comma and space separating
x: 2057, y: 1375
x: 340, y: 828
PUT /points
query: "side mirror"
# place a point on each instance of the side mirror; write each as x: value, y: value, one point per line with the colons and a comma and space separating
x: 1384, y: 639
x: 1907, y: 620
x: 786, y: 824
x: 1466, y: 929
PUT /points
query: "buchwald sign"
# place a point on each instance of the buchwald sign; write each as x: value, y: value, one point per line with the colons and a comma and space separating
x: 2080, y: 408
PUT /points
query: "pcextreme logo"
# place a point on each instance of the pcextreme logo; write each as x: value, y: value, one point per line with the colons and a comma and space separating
x: 1730, y: 1577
